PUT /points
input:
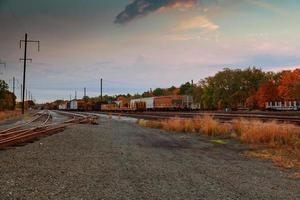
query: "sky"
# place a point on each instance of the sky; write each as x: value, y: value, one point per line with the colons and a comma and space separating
x: 135, y: 45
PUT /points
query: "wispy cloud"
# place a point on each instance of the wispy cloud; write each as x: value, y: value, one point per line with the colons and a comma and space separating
x: 198, y: 22
x: 140, y: 8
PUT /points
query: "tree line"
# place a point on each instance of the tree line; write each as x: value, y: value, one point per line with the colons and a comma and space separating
x: 238, y: 88
x: 7, y: 98
x: 230, y: 88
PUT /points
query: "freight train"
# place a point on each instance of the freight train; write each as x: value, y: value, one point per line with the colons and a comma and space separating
x: 161, y: 103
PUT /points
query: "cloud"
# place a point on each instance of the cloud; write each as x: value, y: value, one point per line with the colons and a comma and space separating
x: 199, y: 22
x: 140, y: 8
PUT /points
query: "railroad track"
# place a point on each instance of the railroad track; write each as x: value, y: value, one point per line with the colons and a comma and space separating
x: 30, y: 131
x: 223, y: 117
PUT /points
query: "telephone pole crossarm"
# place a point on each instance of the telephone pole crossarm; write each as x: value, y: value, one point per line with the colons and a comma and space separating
x: 27, y: 59
x: 32, y: 41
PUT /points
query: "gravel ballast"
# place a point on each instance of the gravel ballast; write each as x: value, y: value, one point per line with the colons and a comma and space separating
x: 121, y: 160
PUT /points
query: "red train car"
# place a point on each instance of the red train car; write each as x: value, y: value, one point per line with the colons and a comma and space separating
x: 175, y: 102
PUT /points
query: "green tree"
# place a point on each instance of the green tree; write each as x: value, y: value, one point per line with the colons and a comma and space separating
x: 158, y: 92
x: 186, y: 89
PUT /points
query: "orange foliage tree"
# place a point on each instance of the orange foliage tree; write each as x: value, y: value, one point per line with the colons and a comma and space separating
x: 289, y: 81
x: 266, y: 92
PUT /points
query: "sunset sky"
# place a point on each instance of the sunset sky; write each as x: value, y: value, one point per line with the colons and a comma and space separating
x: 140, y: 44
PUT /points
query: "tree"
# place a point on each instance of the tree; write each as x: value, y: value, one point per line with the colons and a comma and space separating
x: 186, y: 89
x: 3, y: 88
x: 286, y: 87
x: 7, y: 98
x: 266, y: 92
x: 158, y: 92
x: 231, y: 88
x: 86, y: 98
x: 297, y: 90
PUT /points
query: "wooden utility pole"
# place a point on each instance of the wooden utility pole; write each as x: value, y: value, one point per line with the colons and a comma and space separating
x: 21, y: 91
x: 4, y: 66
x: 100, y: 94
x: 24, y: 70
x: 14, y: 85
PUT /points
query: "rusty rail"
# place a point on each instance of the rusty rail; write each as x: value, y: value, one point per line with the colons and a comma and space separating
x: 14, y: 136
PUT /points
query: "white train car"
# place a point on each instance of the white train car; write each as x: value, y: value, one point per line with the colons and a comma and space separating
x: 63, y: 106
x: 73, y: 104
x: 283, y: 106
x: 149, y: 102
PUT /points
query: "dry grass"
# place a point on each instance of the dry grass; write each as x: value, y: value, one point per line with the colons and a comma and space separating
x: 206, y: 125
x: 268, y: 133
x: 272, y: 134
x: 280, y: 141
x: 4, y: 115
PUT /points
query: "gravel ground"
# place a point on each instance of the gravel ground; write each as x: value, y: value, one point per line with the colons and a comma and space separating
x: 120, y: 160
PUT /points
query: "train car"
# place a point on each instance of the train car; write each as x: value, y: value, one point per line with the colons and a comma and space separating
x: 73, y: 104
x: 283, y: 106
x: 176, y: 102
x: 79, y: 105
x: 188, y: 102
x: 109, y: 107
x: 138, y: 105
x: 142, y: 103
x: 168, y: 102
x: 63, y: 106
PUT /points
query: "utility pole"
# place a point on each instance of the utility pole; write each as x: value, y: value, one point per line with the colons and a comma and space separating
x: 21, y: 92
x: 75, y: 94
x: 14, y: 85
x: 4, y: 66
x: 84, y: 92
x: 100, y: 94
x: 25, y: 61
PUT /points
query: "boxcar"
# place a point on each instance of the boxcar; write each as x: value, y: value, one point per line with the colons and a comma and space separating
x: 168, y: 102
x: 73, y: 105
x: 149, y: 101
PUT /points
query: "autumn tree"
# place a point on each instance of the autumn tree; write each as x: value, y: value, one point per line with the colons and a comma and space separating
x: 7, y: 98
x: 296, y: 90
x: 265, y: 93
x: 286, y: 88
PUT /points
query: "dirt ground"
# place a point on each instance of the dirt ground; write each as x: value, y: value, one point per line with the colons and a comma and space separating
x: 120, y: 160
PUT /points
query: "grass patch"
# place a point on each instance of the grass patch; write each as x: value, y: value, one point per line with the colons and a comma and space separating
x: 280, y: 141
x: 219, y: 141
